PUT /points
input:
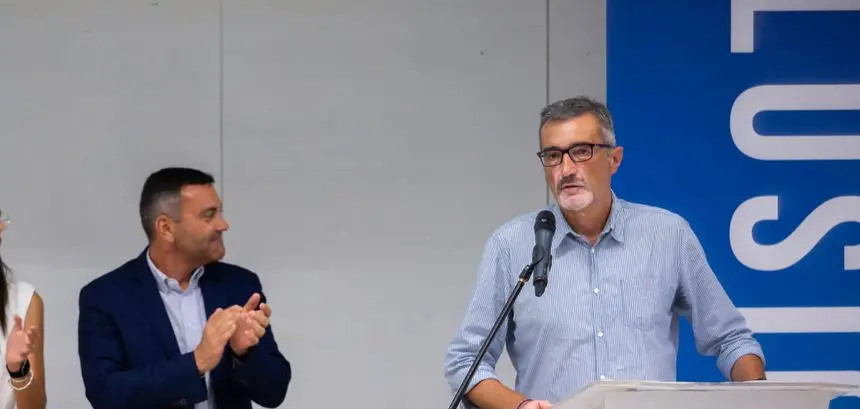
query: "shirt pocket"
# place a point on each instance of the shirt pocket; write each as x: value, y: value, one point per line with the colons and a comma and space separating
x: 643, y: 303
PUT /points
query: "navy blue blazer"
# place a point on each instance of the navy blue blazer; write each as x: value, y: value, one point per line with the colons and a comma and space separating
x: 130, y: 357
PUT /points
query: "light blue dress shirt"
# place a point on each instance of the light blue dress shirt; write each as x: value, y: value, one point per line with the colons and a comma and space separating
x: 610, y: 311
x: 187, y: 314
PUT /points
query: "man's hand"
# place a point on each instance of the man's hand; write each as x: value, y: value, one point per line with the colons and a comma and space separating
x: 252, y: 325
x: 748, y: 368
x: 218, y: 330
x: 536, y: 404
x: 492, y: 394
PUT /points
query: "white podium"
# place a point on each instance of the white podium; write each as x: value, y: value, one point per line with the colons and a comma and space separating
x: 690, y: 395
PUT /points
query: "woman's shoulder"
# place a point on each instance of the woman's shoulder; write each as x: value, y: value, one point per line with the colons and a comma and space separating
x: 18, y: 299
x: 20, y: 294
x: 21, y: 287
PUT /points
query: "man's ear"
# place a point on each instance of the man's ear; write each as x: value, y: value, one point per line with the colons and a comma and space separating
x: 165, y: 228
x: 615, y: 157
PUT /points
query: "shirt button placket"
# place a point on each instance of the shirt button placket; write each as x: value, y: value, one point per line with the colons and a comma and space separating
x: 599, y: 341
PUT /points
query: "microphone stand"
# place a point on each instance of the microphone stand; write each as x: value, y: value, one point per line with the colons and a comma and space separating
x: 525, y: 275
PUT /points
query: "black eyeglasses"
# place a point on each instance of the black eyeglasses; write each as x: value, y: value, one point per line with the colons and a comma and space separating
x: 578, y: 152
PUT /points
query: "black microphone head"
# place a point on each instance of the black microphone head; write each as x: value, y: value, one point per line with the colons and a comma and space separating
x: 545, y: 221
x: 542, y: 258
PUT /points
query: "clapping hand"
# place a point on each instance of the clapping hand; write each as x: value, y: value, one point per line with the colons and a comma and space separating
x: 251, y: 325
x: 20, y: 344
x: 218, y: 330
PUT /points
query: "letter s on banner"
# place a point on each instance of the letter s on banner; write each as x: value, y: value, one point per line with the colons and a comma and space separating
x: 779, y: 256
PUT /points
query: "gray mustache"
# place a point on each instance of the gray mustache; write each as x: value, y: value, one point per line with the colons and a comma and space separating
x: 570, y: 180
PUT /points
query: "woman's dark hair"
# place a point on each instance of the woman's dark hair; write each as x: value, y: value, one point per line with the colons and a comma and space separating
x: 4, y: 293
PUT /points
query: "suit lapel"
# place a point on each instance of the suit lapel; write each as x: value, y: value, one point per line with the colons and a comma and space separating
x: 152, y: 307
x: 214, y: 290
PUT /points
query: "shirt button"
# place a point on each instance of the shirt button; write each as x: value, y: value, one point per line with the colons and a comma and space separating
x: 600, y: 334
x: 596, y: 290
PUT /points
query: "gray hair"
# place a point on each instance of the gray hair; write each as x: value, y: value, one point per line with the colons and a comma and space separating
x: 169, y: 203
x: 575, y: 107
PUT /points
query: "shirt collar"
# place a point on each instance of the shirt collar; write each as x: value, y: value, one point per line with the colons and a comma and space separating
x: 613, y: 228
x: 167, y: 284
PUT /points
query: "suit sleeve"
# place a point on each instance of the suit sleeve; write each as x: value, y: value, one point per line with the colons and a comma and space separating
x: 111, y: 385
x: 263, y: 372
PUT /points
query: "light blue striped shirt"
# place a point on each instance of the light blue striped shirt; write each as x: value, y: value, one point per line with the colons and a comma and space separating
x: 187, y: 314
x: 609, y: 311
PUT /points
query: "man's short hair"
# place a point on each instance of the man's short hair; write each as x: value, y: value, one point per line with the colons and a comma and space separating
x: 161, y: 194
x: 575, y: 107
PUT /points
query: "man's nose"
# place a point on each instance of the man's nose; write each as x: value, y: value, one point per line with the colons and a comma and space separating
x: 224, y: 225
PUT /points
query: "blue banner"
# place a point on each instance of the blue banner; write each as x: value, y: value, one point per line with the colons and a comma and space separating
x: 744, y: 118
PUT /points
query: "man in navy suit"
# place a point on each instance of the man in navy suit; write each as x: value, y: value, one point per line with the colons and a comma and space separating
x: 175, y: 327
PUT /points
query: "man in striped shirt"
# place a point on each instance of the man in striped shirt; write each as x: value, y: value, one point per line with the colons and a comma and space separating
x: 622, y: 275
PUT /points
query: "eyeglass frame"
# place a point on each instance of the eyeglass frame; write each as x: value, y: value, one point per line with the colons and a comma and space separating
x: 569, y: 152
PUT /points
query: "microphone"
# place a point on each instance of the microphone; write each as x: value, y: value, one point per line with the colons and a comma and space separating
x: 544, y: 230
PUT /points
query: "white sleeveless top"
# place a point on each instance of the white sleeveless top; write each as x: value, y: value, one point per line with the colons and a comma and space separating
x: 20, y: 293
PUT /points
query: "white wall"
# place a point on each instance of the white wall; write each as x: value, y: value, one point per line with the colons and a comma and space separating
x: 364, y: 152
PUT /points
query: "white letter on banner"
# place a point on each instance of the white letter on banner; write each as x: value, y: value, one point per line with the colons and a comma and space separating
x: 743, y: 16
x: 773, y: 257
x: 809, y: 97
